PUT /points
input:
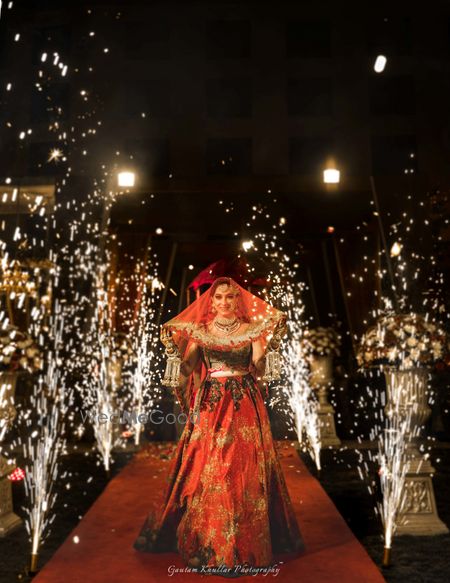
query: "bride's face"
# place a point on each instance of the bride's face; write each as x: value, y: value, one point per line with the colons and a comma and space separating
x: 225, y: 301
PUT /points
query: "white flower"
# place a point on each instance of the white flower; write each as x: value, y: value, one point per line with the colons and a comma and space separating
x: 393, y: 354
x: 37, y: 363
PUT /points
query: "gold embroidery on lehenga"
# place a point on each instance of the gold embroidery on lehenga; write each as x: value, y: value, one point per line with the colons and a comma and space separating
x: 247, y: 433
x: 197, y: 433
x: 237, y: 387
x: 223, y: 437
x: 216, y: 489
x: 231, y: 530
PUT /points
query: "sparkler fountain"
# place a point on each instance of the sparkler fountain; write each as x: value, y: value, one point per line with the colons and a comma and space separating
x: 101, y: 392
x: 143, y: 347
x: 393, y: 463
x: 51, y: 401
x: 285, y: 292
x: 301, y: 397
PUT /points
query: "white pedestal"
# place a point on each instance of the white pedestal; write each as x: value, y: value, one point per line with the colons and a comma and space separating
x: 9, y: 521
x: 321, y: 368
x: 407, y: 392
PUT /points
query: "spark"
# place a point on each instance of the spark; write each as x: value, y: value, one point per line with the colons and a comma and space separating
x: 55, y: 155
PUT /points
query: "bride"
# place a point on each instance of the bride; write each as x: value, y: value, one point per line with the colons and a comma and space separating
x: 226, y: 504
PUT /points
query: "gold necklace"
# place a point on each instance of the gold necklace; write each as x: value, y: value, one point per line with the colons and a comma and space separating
x: 226, y: 326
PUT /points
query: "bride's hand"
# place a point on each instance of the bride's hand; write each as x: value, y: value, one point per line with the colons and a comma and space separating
x: 166, y: 338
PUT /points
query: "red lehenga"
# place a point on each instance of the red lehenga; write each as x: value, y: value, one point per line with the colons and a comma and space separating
x: 226, y: 502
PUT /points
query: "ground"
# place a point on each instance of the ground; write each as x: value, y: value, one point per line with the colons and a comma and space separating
x: 414, y: 559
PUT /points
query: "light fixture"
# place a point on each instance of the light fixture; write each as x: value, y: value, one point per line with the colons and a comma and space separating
x: 126, y: 179
x: 380, y: 64
x: 331, y: 176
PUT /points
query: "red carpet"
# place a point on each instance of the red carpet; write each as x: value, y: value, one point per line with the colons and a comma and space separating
x: 104, y: 553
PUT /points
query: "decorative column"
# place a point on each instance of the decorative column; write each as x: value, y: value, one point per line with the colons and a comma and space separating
x: 321, y: 376
x: 407, y: 394
x: 8, y: 519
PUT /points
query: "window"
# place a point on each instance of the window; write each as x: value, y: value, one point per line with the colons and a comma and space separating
x: 150, y: 156
x: 229, y: 97
x: 151, y: 97
x: 392, y: 95
x: 309, y: 96
x: 228, y: 39
x: 448, y: 34
x: 394, y: 154
x: 309, y: 155
x: 143, y: 40
x: 389, y: 36
x: 49, y: 5
x: 229, y: 156
x: 50, y: 104
x: 308, y: 39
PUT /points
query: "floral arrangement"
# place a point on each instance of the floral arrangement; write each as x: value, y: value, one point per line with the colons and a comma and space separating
x: 18, y: 350
x: 321, y: 341
x: 402, y: 340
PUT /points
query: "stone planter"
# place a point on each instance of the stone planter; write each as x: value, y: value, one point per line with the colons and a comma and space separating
x: 321, y: 376
x: 9, y: 521
x: 8, y: 381
x: 321, y: 370
x: 407, y: 392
